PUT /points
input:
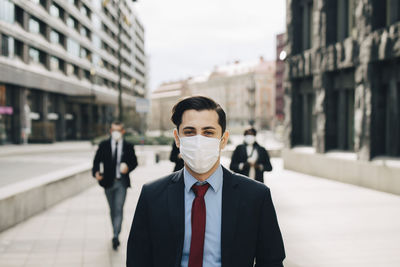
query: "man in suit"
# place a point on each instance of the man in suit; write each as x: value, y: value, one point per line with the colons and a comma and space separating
x: 175, y: 156
x: 204, y: 215
x: 251, y: 159
x: 118, y: 159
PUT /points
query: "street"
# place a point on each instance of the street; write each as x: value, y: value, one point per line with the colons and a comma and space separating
x: 324, y: 224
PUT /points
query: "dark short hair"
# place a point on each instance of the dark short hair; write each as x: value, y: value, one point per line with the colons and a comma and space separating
x: 197, y: 103
x: 118, y: 123
x: 250, y: 130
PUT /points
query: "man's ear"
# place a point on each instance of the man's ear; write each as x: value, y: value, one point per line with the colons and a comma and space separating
x: 224, y: 140
x: 176, y: 138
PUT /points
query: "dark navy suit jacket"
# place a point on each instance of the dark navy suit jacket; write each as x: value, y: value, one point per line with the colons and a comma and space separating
x: 104, y: 155
x: 249, y: 233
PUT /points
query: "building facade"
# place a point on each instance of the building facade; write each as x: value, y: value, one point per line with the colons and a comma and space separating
x: 62, y: 64
x: 343, y: 85
x: 246, y: 91
x: 162, y: 101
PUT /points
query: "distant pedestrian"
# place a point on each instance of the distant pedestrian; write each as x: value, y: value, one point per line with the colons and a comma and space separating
x: 175, y: 156
x: 251, y: 159
x: 118, y: 159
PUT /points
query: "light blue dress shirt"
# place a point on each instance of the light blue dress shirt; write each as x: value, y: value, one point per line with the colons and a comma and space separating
x: 213, y: 200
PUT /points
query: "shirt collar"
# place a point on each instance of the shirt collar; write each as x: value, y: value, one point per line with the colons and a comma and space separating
x: 215, y: 179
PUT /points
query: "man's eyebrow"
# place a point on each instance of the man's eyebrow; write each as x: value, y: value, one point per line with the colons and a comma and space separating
x: 189, y: 128
x: 209, y: 128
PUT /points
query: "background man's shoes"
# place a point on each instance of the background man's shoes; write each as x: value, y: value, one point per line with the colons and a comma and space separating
x: 115, y: 243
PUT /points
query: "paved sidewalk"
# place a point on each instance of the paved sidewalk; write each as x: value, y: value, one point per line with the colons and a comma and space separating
x: 330, y: 224
x: 324, y: 224
x: 76, y: 232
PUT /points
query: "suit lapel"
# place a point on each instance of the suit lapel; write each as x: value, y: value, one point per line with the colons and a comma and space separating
x: 230, y: 200
x: 176, y: 208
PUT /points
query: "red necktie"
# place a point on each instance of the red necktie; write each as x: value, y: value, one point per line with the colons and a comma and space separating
x: 198, y: 226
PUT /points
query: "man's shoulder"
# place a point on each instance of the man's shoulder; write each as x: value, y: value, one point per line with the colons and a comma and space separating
x: 247, y: 184
x: 161, y: 183
x: 127, y: 143
x: 104, y: 142
x: 240, y: 147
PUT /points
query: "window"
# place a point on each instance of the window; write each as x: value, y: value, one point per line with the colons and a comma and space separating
x: 340, y: 20
x: 87, y: 75
x: 379, y: 14
x: 339, y: 104
x: 385, y: 13
x: 393, y: 7
x: 19, y: 51
x: 303, y: 25
x: 54, y: 63
x: 36, y: 26
x: 69, y: 70
x: 73, y: 47
x: 7, y: 46
x: 76, y: 71
x: 55, y: 11
x: 385, y: 117
x: 19, y: 15
x: 37, y: 56
x: 85, y: 32
x: 72, y: 23
x: 86, y: 11
x: 303, y: 119
x: 54, y: 37
x: 7, y: 11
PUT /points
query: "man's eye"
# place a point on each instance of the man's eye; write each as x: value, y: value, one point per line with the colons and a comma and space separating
x: 188, y: 133
x: 208, y: 133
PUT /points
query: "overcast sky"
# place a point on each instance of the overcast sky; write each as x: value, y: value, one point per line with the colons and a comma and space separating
x: 187, y: 37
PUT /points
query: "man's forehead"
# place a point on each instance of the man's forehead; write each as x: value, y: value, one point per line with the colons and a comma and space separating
x: 199, y: 118
x: 117, y: 127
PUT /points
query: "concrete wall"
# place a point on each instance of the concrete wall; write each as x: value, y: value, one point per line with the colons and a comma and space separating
x: 22, y: 200
x: 376, y: 175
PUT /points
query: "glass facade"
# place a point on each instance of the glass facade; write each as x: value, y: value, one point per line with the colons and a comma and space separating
x: 7, y: 11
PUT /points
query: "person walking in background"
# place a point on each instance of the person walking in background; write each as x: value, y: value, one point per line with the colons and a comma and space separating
x: 175, y: 156
x: 204, y: 215
x: 251, y: 159
x: 117, y: 158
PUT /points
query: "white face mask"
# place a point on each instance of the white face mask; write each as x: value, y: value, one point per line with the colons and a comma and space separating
x: 249, y: 139
x: 199, y: 153
x: 116, y: 135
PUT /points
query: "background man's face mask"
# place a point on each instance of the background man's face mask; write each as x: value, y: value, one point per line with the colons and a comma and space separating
x: 116, y: 135
x: 249, y: 139
x: 199, y: 153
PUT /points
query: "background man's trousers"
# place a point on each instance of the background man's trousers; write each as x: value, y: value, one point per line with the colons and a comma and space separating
x: 116, y: 195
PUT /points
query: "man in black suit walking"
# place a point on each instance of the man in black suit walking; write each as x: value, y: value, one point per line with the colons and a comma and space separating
x: 204, y: 215
x: 118, y: 159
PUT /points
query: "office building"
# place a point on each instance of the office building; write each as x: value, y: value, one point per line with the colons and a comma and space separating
x: 342, y: 89
x: 62, y: 64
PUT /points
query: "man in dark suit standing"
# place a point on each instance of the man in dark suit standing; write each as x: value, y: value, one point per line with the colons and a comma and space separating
x: 251, y: 159
x: 175, y: 156
x: 118, y: 159
x: 204, y: 215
